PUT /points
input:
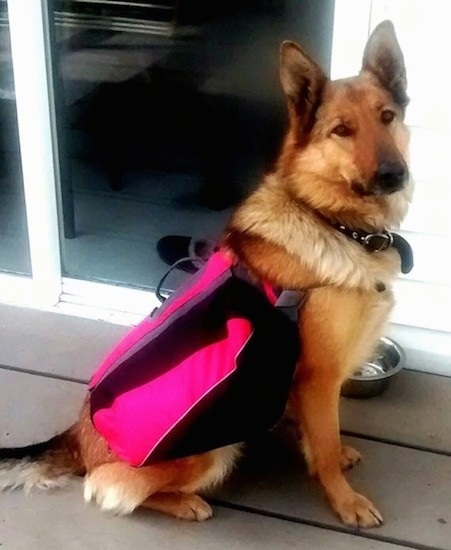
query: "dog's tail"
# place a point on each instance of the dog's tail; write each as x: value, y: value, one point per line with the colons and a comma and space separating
x: 43, y: 465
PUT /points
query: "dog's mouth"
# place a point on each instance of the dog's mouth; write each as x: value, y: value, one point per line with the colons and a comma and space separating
x: 375, y: 190
x: 378, y: 188
x: 359, y: 189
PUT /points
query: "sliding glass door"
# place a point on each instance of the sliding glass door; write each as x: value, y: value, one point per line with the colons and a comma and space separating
x: 135, y: 120
x: 167, y: 114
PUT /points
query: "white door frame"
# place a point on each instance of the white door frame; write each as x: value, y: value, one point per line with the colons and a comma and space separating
x: 27, y: 22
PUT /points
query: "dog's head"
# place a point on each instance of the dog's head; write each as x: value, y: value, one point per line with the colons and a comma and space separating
x: 346, y: 148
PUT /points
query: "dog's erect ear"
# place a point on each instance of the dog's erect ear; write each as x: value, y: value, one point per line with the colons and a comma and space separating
x: 383, y: 57
x: 302, y: 80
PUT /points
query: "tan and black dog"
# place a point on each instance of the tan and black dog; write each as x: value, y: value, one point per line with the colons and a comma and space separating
x: 319, y: 222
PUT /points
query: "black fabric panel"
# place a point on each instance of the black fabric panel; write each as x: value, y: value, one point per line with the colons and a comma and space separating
x: 253, y: 398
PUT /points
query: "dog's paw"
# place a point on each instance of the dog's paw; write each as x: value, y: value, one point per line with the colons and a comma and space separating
x: 192, y: 508
x: 349, y: 457
x: 112, y: 497
x: 357, y: 511
x: 185, y: 506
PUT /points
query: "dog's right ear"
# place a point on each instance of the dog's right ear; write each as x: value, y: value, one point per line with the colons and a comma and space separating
x: 302, y: 81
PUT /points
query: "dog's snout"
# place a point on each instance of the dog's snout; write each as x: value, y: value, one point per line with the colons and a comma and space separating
x: 391, y: 171
x: 390, y: 176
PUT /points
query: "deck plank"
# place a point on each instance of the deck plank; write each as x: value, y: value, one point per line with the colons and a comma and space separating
x: 410, y: 487
x: 60, y: 520
x: 414, y: 410
x: 34, y: 408
x: 54, y: 343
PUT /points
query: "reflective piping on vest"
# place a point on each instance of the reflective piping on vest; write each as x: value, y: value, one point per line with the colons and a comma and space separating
x: 197, y: 401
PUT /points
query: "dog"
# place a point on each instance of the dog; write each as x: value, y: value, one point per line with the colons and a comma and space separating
x: 320, y: 222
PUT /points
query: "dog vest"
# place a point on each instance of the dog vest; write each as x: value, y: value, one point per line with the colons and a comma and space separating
x: 212, y: 366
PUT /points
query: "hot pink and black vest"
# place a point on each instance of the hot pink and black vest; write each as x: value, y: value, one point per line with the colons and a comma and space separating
x: 212, y: 366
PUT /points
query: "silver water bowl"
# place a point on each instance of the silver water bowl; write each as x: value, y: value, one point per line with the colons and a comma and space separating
x: 373, y: 377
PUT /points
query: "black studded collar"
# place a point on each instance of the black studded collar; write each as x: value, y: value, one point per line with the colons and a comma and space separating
x: 377, y: 242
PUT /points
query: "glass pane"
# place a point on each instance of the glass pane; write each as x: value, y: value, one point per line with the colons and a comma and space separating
x: 14, y: 249
x: 168, y: 113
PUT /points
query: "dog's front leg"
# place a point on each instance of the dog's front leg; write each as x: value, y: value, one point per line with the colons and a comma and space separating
x: 331, y: 331
x: 323, y: 451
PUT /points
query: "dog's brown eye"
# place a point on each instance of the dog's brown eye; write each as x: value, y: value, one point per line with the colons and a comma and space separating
x: 387, y: 116
x: 342, y: 130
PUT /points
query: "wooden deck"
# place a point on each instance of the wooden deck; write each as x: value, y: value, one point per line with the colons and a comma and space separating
x: 269, y: 503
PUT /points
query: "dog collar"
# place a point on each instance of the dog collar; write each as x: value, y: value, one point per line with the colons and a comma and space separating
x: 376, y: 242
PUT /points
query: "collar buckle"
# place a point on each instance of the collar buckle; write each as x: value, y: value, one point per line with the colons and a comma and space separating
x: 376, y: 242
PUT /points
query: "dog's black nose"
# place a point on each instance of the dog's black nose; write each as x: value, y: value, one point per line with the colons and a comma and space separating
x: 390, y: 176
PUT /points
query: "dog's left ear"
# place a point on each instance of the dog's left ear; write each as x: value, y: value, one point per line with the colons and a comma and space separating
x: 383, y: 57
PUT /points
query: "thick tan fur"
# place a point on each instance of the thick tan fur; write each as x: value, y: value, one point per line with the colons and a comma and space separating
x: 343, y: 138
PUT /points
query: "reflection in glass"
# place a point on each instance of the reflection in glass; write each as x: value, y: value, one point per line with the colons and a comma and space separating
x: 168, y: 112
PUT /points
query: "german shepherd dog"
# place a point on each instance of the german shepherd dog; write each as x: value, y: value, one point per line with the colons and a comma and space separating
x: 319, y: 222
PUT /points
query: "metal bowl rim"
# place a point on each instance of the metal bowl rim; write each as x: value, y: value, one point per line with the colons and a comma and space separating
x: 391, y: 372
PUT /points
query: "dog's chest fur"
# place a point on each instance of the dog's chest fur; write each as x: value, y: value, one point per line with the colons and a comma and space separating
x: 271, y: 214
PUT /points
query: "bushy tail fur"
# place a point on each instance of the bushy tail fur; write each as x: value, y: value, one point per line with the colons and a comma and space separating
x: 43, y: 465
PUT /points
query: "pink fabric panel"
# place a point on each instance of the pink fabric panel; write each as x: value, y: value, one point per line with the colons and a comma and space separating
x: 139, y: 419
x: 215, y: 267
